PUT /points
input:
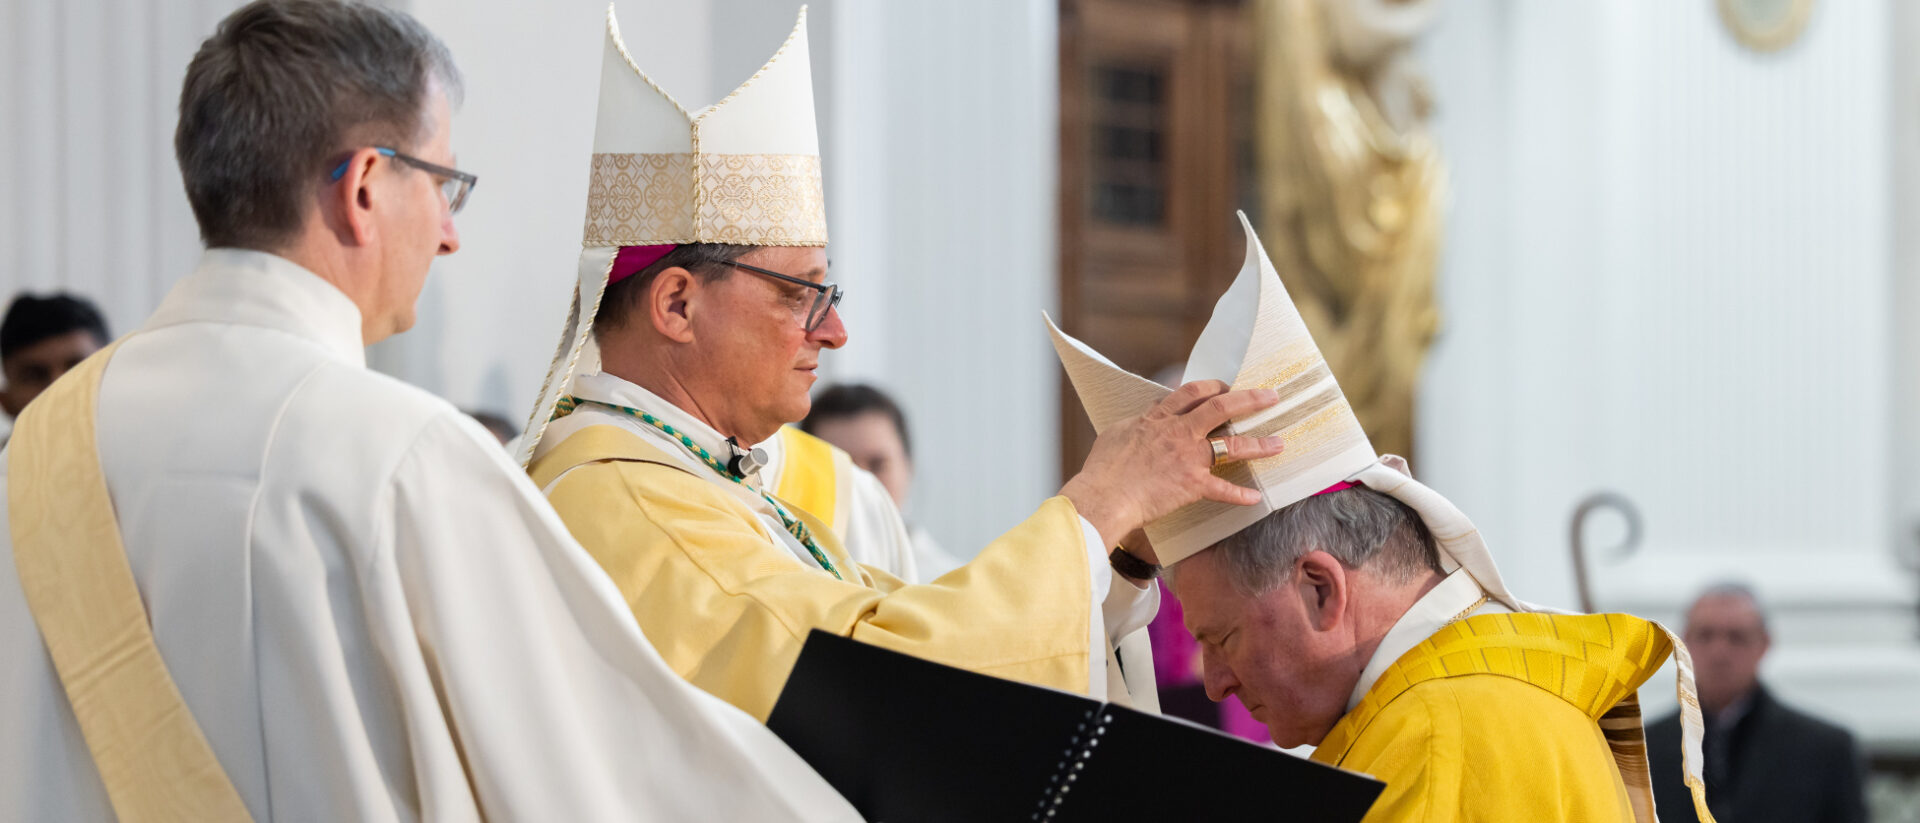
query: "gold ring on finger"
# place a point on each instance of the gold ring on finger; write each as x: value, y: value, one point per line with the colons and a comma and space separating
x: 1219, y: 445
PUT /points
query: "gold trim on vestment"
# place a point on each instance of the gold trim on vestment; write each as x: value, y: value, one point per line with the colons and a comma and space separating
x: 154, y: 760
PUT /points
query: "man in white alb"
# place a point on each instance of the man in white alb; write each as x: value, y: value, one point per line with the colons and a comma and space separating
x: 251, y: 579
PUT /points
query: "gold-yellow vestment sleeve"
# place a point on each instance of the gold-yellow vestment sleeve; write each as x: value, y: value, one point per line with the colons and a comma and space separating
x: 728, y: 609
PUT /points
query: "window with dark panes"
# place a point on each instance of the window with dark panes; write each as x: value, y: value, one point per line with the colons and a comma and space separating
x: 1155, y: 154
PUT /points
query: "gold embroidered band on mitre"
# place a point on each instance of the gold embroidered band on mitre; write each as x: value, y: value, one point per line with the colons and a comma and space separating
x: 1308, y: 417
x: 1312, y: 432
x: 741, y: 199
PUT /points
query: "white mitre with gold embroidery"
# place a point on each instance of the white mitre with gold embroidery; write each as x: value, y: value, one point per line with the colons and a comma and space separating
x: 743, y: 171
x: 1256, y: 339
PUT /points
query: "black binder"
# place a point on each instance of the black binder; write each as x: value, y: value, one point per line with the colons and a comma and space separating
x: 908, y: 741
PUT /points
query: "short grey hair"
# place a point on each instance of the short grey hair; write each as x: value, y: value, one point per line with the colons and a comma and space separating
x: 1732, y: 588
x: 278, y: 92
x: 1362, y: 528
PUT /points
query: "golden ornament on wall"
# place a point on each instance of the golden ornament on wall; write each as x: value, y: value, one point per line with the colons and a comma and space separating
x: 1766, y: 25
x: 1351, y: 192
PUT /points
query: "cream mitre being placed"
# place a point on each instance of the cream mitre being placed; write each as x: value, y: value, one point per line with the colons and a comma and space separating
x: 743, y: 171
x: 1256, y: 339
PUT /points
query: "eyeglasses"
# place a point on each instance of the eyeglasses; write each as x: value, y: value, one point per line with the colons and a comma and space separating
x: 825, y: 295
x: 455, y: 184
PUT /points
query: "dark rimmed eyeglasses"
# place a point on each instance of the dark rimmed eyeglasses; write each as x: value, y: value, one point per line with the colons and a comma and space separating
x: 455, y: 184
x: 825, y: 295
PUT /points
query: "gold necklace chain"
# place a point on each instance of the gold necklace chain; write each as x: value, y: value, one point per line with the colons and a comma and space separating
x: 1467, y: 611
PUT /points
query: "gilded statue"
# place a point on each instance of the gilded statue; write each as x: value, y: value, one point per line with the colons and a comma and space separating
x: 1351, y: 190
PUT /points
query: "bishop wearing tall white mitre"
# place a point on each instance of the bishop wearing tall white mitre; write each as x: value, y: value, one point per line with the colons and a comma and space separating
x: 702, y: 307
x: 253, y: 580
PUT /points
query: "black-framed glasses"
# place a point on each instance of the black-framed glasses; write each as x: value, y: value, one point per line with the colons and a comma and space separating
x: 455, y: 184
x: 825, y: 295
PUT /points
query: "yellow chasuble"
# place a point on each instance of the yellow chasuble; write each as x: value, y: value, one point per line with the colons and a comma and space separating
x: 729, y: 610
x: 1509, y: 717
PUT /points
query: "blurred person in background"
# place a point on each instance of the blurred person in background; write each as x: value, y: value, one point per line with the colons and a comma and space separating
x: 1764, y: 760
x: 496, y: 425
x: 870, y: 427
x: 40, y: 339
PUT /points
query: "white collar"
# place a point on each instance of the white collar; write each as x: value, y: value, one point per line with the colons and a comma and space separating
x: 1453, y: 598
x: 254, y: 288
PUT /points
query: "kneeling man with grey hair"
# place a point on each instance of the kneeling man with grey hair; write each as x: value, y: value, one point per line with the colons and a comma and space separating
x: 1360, y: 612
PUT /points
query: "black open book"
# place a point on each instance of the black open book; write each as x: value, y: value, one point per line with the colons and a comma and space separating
x: 909, y: 741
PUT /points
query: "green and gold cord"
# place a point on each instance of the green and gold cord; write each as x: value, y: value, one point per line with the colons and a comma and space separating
x: 796, y: 528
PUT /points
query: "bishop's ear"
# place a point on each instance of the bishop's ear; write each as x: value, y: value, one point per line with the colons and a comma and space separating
x: 671, y: 300
x: 1323, y: 588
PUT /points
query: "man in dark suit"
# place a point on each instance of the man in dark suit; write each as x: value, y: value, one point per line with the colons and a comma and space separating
x: 1764, y: 761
